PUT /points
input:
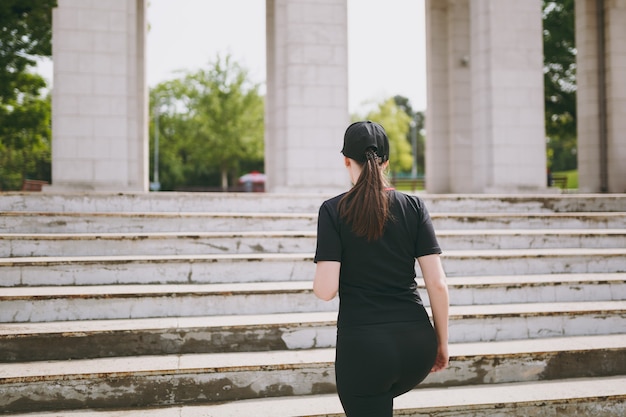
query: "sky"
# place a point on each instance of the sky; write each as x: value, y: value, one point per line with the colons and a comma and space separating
x: 386, y: 44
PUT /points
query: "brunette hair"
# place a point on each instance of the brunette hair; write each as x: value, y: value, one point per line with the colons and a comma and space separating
x: 366, y: 206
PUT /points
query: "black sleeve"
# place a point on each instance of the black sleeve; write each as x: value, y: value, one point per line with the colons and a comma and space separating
x: 426, y: 242
x: 328, y: 238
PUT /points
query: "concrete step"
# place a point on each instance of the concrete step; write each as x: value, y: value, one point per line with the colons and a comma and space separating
x: 177, y: 243
x: 101, y: 302
x: 533, y: 261
x: 533, y: 288
x: 154, y: 269
x: 604, y: 397
x: 258, y: 267
x: 193, y: 222
x: 173, y: 243
x: 36, y: 304
x: 59, y: 340
x: 585, y: 396
x: 478, y: 239
x: 573, y: 220
x: 174, y: 202
x: 151, y: 222
x: 188, y: 379
x: 203, y: 259
x: 307, y: 203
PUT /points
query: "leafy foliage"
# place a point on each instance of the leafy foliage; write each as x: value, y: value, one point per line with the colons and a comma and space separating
x: 397, y: 124
x: 418, y: 120
x: 25, y: 32
x: 24, y: 140
x: 560, y: 83
x: 210, y: 126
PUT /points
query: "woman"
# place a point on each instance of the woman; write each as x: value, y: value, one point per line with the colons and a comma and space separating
x: 367, y: 243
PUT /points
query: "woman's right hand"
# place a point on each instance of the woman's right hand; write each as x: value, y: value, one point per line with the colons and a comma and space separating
x: 435, y: 280
x: 442, y: 359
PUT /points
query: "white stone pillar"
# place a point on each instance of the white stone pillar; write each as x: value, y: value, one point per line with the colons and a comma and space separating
x: 601, y: 96
x: 485, y: 124
x: 99, y: 97
x: 307, y: 95
x: 616, y: 94
x: 437, y: 124
x: 448, y: 119
x: 507, y: 95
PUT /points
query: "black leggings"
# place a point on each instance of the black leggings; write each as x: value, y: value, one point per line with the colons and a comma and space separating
x: 376, y: 363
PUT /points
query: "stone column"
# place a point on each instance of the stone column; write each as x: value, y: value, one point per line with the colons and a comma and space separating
x: 307, y: 95
x: 485, y: 97
x: 449, y: 135
x: 601, y: 95
x: 99, y: 97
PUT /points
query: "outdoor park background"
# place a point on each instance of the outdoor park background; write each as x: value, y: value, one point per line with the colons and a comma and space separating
x: 206, y: 72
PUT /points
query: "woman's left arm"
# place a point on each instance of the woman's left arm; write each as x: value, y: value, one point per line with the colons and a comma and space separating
x: 326, y: 281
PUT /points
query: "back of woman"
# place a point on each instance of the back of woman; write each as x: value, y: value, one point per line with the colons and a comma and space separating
x: 368, y: 240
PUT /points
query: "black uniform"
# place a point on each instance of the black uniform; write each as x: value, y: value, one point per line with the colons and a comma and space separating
x: 386, y: 344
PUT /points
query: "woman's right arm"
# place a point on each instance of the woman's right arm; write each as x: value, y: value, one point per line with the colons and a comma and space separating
x: 326, y: 280
x: 437, y: 288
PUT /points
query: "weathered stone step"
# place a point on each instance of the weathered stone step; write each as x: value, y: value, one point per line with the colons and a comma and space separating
x: 598, y: 396
x: 135, y: 222
x: 21, y: 342
x: 173, y: 243
x: 173, y: 269
x: 542, y: 288
x: 477, y: 239
x: 534, y: 261
x: 483, y: 268
x: 187, y: 379
x: 36, y: 304
x: 308, y: 203
x: 164, y: 202
x: 101, y: 302
x: 193, y: 222
x: 577, y: 220
x: 178, y: 243
x: 604, y: 397
x: 220, y: 268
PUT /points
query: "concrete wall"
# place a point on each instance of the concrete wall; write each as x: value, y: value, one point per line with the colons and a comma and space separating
x: 307, y: 95
x: 601, y: 99
x: 99, y: 99
x: 449, y: 138
x: 485, y: 127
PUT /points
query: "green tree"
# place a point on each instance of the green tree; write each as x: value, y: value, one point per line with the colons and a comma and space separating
x: 418, y: 119
x: 560, y: 83
x: 25, y: 33
x: 25, y: 139
x: 211, y: 125
x: 397, y: 124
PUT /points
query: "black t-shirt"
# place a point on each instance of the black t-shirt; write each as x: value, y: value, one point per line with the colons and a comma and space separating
x: 377, y: 278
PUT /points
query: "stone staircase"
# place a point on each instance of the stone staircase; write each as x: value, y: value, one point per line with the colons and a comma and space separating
x: 201, y: 305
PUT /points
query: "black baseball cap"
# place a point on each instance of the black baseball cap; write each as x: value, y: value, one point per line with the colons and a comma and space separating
x: 361, y: 136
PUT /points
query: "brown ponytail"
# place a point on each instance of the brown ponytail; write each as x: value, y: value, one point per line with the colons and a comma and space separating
x: 366, y: 206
